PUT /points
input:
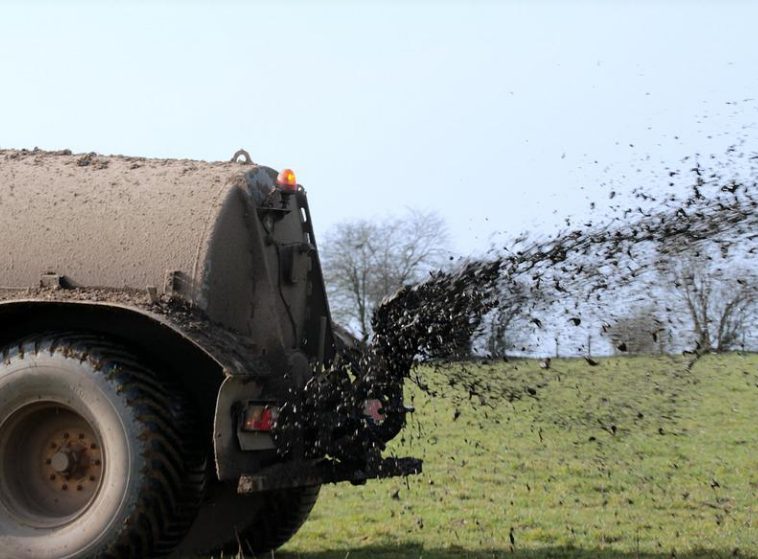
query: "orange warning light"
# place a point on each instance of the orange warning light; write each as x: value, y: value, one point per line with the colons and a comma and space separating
x: 287, y: 180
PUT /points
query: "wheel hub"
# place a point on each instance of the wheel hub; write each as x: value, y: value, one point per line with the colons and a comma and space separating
x: 51, y: 464
x: 73, y: 461
x: 64, y: 462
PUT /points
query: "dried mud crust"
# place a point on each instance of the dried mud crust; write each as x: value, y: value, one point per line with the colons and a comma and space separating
x: 115, y: 221
x: 99, y: 162
x: 171, y: 482
x: 233, y: 352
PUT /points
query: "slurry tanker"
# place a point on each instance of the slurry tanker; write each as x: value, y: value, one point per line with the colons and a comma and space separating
x: 163, y: 324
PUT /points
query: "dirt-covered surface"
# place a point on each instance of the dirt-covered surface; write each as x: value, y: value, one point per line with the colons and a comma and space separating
x: 108, y: 221
x: 234, y: 353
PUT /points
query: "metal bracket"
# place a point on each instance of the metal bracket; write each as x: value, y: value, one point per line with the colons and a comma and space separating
x: 173, y: 281
x: 241, y: 153
x: 51, y: 280
x: 299, y: 474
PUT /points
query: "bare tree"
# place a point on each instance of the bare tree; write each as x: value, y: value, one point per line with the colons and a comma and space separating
x: 365, y: 261
x: 507, y: 326
x: 720, y: 301
x: 639, y: 331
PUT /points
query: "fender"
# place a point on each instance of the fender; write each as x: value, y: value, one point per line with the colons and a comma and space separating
x: 192, y: 351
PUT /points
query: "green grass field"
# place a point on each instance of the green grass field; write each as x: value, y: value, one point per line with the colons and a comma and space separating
x: 636, y: 457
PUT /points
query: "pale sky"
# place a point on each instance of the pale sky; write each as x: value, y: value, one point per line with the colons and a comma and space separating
x: 492, y: 114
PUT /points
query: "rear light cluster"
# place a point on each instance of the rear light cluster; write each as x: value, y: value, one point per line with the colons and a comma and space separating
x: 263, y: 417
x: 259, y: 418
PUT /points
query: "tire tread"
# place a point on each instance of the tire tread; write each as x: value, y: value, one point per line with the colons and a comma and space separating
x: 175, y: 469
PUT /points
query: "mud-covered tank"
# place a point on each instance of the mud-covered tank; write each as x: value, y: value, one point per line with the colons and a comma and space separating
x: 154, y: 317
x: 178, y: 228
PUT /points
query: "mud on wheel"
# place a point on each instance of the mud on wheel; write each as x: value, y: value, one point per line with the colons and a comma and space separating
x: 94, y: 460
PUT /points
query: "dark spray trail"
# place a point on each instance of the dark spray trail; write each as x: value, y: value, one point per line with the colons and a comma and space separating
x: 438, y: 317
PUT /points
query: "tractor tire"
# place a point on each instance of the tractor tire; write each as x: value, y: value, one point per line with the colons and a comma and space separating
x: 279, y: 515
x: 94, y: 453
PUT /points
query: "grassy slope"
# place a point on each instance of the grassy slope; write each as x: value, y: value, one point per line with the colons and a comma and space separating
x: 679, y: 478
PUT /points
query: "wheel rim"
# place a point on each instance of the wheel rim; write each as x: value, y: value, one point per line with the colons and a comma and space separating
x: 51, y: 465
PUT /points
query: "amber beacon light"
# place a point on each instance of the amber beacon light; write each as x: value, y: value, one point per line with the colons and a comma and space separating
x: 287, y: 180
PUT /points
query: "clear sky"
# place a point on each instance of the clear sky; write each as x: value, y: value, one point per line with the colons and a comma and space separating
x: 501, y: 116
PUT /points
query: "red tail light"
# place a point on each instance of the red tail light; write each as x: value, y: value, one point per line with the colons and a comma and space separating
x: 373, y: 409
x: 259, y: 418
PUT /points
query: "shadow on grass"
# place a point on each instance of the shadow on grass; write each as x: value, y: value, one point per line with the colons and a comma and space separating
x: 418, y: 552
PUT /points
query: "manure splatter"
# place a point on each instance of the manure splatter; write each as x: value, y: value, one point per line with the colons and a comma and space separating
x: 578, y: 274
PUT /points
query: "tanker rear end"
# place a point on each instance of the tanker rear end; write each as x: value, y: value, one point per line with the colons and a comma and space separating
x: 165, y: 325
